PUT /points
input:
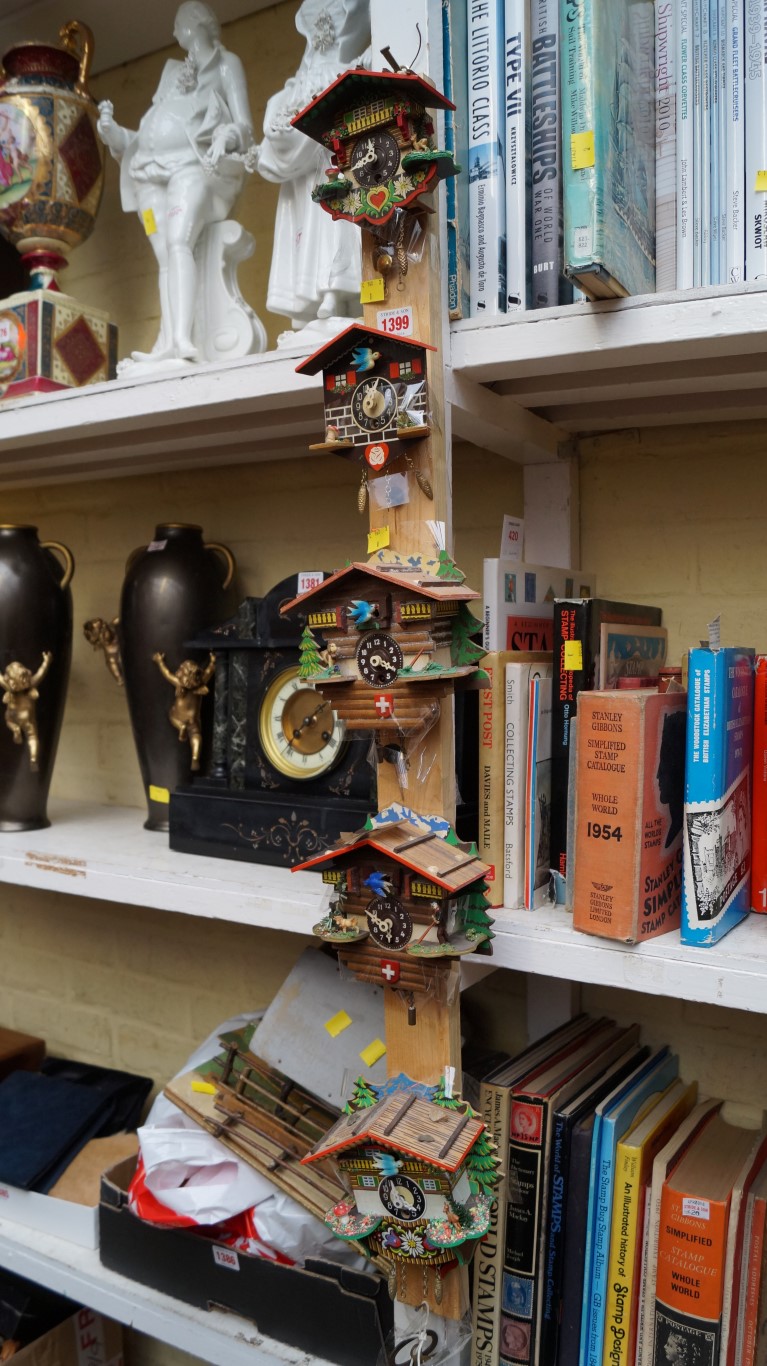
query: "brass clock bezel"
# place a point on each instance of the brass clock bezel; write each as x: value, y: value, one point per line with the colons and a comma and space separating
x: 286, y: 764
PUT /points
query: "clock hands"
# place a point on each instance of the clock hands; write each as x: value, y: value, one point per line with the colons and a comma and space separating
x: 309, y: 720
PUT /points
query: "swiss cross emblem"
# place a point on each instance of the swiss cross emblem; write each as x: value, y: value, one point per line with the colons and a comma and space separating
x: 384, y: 704
x: 389, y: 971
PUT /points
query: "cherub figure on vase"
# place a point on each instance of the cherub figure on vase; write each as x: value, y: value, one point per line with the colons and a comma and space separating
x: 20, y: 702
x: 190, y: 682
x: 182, y: 171
x: 316, y: 263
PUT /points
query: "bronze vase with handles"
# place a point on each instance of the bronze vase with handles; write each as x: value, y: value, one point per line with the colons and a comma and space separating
x: 173, y: 588
x: 35, y: 655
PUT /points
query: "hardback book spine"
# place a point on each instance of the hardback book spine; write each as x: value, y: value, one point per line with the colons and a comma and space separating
x: 751, y: 1279
x: 537, y: 834
x: 721, y: 76
x: 755, y: 72
x: 608, y: 135
x: 495, y: 1104
x: 705, y: 144
x: 713, y: 124
x: 759, y: 791
x: 735, y: 144
x: 683, y: 44
x: 695, y: 1260
x: 491, y: 775
x: 731, y: 1298
x: 572, y: 816
x: 548, y: 287
x: 487, y: 197
x: 665, y: 145
x: 579, y: 1170
x: 529, y: 1118
x: 454, y: 39
x: 519, y: 602
x: 570, y: 632
x: 697, y: 127
x: 628, y: 842
x: 517, y: 123
x: 517, y: 711
x: 717, y: 812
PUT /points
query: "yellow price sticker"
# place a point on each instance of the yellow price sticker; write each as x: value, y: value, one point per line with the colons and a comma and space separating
x: 582, y: 150
x: 149, y: 221
x: 159, y: 794
x: 204, y: 1088
x: 573, y: 655
x: 378, y: 538
x: 373, y: 291
x: 338, y: 1023
x: 761, y: 182
x: 373, y: 1052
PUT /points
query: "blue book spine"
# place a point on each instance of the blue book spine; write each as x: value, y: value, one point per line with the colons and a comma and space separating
x: 455, y: 87
x: 717, y: 808
x: 615, y: 1124
x: 588, y: 1257
x: 608, y: 137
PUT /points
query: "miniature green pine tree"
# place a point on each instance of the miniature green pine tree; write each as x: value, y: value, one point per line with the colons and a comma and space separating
x: 474, y: 906
x: 309, y: 662
x: 362, y: 1097
x: 464, y: 650
x: 482, y: 1162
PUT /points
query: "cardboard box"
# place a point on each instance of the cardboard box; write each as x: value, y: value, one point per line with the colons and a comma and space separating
x: 323, y: 1309
x: 86, y: 1339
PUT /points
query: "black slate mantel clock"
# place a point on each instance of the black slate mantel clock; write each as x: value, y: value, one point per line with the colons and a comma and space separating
x: 285, y: 780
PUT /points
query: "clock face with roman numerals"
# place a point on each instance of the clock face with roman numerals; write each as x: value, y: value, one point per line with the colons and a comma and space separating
x: 300, y: 733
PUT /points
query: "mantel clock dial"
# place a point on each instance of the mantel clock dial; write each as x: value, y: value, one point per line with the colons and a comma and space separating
x: 300, y: 734
x: 374, y: 159
x: 379, y: 659
x: 374, y: 404
x: 389, y: 924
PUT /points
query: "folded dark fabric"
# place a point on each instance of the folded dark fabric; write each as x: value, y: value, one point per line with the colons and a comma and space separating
x: 127, y: 1091
x: 44, y: 1122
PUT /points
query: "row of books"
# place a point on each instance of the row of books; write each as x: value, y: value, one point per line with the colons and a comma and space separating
x: 620, y: 145
x: 604, y: 783
x: 630, y: 1227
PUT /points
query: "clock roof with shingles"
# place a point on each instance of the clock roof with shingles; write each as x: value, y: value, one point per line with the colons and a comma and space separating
x: 357, y: 87
x: 357, y: 335
x: 409, y: 1124
x: 416, y: 584
x: 452, y: 867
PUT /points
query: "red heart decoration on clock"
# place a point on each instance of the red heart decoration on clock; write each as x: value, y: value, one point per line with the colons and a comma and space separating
x: 377, y: 198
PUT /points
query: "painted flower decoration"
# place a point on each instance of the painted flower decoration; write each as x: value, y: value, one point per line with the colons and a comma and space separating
x: 390, y: 1238
x: 412, y: 1245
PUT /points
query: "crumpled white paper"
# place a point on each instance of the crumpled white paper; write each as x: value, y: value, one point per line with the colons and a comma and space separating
x: 193, y: 1174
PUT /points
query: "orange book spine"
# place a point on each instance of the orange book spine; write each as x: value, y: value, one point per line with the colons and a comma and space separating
x: 759, y: 793
x: 753, y: 1281
x: 690, y: 1273
x: 630, y: 790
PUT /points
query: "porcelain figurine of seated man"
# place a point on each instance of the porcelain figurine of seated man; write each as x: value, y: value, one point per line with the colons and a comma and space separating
x: 182, y: 171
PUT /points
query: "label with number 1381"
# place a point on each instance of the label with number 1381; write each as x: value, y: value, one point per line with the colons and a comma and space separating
x: 398, y: 322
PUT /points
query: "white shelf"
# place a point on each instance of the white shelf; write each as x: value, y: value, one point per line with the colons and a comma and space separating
x: 104, y: 852
x: 658, y: 359
x: 732, y: 973
x: 234, y: 412
x: 75, y: 1272
x: 653, y: 360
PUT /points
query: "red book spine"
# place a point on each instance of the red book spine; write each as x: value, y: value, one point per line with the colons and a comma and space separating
x: 759, y: 796
x: 752, y: 1286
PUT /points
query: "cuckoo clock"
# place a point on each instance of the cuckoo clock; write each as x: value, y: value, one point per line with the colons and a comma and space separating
x: 376, y: 394
x: 377, y: 127
x: 420, y: 1169
x: 397, y: 642
x: 403, y: 900
x: 285, y: 778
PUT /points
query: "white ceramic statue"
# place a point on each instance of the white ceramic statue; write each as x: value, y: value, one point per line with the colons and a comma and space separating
x: 182, y: 172
x: 316, y: 264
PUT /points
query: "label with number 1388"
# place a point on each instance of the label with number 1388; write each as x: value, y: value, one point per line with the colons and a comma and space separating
x: 398, y: 322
